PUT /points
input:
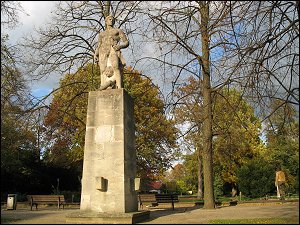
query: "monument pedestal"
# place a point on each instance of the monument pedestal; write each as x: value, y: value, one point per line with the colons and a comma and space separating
x: 107, y: 218
x: 109, y: 168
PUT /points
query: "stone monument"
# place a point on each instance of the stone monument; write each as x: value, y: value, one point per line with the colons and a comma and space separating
x: 108, y: 192
x: 108, y: 54
x: 280, y: 183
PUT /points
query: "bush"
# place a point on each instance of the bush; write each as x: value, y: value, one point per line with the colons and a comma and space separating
x: 256, y: 179
x: 21, y: 197
x: 71, y: 196
x: 218, y: 186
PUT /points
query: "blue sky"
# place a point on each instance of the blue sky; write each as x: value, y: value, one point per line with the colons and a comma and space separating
x: 36, y: 14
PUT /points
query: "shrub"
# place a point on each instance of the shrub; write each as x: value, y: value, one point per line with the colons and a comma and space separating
x: 218, y: 186
x: 256, y: 178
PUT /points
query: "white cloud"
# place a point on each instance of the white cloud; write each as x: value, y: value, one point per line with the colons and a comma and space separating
x: 39, y: 12
x: 36, y: 14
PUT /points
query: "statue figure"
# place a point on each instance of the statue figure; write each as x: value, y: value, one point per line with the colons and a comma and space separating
x: 108, y: 54
x: 280, y: 183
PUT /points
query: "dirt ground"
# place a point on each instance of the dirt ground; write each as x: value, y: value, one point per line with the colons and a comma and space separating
x: 183, y: 213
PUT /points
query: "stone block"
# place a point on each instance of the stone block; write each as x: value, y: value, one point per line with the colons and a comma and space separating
x: 109, y: 165
x: 88, y: 217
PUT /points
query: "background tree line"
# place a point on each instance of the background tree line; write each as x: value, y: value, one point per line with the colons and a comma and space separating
x: 228, y: 66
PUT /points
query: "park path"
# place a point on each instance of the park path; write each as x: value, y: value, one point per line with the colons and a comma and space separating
x: 203, y: 216
x: 165, y: 215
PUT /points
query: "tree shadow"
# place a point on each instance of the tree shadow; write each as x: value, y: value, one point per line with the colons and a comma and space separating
x: 41, y: 216
x: 160, y: 211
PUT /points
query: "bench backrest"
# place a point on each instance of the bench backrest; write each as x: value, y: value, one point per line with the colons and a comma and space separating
x: 165, y: 198
x: 46, y: 198
x: 147, y: 198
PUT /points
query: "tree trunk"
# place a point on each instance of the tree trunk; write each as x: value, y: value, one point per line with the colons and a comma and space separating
x: 107, y: 8
x: 209, y: 202
x: 200, y: 181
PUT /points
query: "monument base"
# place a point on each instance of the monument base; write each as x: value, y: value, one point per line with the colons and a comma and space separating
x: 90, y: 217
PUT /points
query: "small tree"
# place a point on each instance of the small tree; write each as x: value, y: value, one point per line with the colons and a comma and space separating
x: 218, y: 186
x: 256, y: 179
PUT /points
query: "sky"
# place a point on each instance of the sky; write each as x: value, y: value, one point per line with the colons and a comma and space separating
x: 36, y: 14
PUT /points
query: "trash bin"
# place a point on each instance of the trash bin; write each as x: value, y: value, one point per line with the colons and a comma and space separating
x: 12, y: 201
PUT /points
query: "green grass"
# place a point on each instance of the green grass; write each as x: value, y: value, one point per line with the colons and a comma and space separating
x: 256, y: 221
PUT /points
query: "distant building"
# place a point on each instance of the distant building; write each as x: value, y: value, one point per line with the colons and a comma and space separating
x: 154, y: 191
x: 155, y: 187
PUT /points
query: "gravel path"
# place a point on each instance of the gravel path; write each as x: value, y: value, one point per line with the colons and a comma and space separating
x: 183, y: 214
x: 203, y: 216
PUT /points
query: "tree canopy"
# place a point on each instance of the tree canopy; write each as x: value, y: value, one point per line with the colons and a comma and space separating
x: 238, y: 53
x: 65, y: 121
x: 236, y: 129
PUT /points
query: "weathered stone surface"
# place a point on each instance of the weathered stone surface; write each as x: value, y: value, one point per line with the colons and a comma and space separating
x: 86, y: 217
x: 109, y: 154
x: 108, y: 55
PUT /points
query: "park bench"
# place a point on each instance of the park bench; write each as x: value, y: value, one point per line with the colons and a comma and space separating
x: 155, y: 199
x: 147, y: 198
x: 167, y: 198
x: 233, y: 202
x: 50, y: 199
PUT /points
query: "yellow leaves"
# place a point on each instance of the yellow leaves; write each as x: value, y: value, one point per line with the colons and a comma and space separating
x: 228, y: 176
x: 235, y: 126
x: 155, y: 134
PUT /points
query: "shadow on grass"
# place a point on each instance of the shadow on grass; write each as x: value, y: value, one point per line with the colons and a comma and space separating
x: 8, y: 220
x: 41, y: 216
x: 156, y: 212
x: 256, y: 221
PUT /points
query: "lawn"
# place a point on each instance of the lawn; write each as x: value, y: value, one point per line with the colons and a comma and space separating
x: 256, y: 221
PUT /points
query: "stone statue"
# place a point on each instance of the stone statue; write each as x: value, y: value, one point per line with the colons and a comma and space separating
x: 108, y: 54
x: 280, y: 183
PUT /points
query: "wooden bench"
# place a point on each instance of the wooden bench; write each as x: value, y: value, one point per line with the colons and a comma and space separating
x: 233, y: 203
x: 167, y: 198
x: 50, y: 199
x: 147, y: 198
x: 155, y: 199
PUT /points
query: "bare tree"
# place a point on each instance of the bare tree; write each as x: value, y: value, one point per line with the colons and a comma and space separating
x: 10, y: 13
x: 15, y: 96
x: 13, y: 85
x: 253, y: 46
x: 69, y: 41
x: 185, y: 28
x: 264, y: 54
